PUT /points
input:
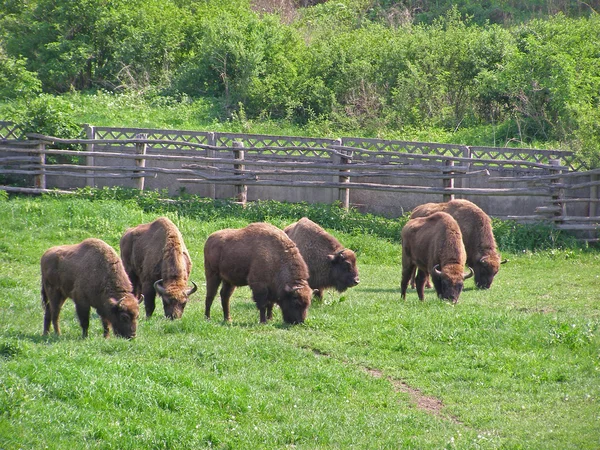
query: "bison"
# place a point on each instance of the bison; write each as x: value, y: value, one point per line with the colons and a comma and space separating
x: 264, y: 258
x: 434, y: 245
x: 157, y: 261
x: 478, y: 237
x: 329, y: 263
x: 91, y: 274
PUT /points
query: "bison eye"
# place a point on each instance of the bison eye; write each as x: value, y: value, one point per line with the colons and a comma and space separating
x: 125, y: 318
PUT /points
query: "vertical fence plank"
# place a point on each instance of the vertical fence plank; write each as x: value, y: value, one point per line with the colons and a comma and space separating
x: 140, y: 149
x: 448, y: 183
x: 241, y: 190
x: 40, y: 180
x: 558, y: 193
x: 90, y: 133
x: 345, y: 157
x: 211, y: 153
x: 592, y: 209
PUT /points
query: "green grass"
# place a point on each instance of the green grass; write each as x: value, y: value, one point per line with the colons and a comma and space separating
x: 517, y: 366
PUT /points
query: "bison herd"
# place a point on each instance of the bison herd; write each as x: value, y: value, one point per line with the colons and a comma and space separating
x: 285, y: 268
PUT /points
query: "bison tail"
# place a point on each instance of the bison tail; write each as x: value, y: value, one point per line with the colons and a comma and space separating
x: 44, y: 299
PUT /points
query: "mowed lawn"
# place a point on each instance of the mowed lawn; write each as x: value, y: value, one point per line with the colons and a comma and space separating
x: 516, y: 366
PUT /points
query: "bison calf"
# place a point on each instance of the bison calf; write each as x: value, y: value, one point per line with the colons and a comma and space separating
x: 92, y: 275
x: 478, y: 236
x: 264, y: 258
x: 329, y: 263
x: 157, y: 261
x: 434, y: 245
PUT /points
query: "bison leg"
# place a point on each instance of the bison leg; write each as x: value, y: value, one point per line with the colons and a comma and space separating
x: 105, y: 326
x: 420, y: 283
x: 212, y: 285
x: 83, y: 313
x: 53, y: 302
x: 260, y: 295
x: 407, y: 273
x: 149, y: 298
x: 226, y: 291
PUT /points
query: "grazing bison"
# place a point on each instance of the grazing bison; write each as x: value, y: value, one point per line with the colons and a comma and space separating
x: 91, y: 274
x: 434, y: 245
x: 157, y: 261
x: 329, y: 263
x: 478, y: 237
x: 264, y: 258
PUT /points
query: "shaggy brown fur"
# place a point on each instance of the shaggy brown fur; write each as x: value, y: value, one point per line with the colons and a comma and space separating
x: 156, y: 260
x: 264, y: 258
x: 91, y: 274
x: 329, y: 263
x: 434, y: 245
x: 478, y: 237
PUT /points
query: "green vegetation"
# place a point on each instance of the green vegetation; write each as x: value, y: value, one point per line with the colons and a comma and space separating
x: 517, y: 73
x: 515, y: 366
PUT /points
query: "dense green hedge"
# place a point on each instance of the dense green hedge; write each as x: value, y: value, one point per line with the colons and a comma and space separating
x: 344, y: 63
x: 510, y: 235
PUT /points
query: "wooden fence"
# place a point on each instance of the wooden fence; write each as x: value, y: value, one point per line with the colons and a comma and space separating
x: 564, y: 194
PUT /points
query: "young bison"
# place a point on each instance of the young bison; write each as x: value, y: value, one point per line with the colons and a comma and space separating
x: 157, y: 261
x: 91, y: 274
x: 329, y: 263
x: 264, y: 258
x: 478, y: 236
x: 434, y: 245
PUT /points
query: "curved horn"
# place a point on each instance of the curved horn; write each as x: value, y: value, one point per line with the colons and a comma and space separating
x: 468, y: 275
x: 504, y: 261
x: 437, y: 270
x: 483, y: 258
x: 158, y: 287
x: 190, y: 291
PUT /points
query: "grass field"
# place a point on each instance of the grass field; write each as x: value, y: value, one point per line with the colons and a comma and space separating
x: 517, y: 366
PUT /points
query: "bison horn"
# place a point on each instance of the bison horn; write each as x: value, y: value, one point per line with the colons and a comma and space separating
x: 190, y: 291
x: 483, y: 258
x: 468, y: 275
x: 437, y: 271
x: 158, y: 287
x: 504, y: 261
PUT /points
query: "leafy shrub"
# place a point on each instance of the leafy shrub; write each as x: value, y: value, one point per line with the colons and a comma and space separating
x: 510, y: 235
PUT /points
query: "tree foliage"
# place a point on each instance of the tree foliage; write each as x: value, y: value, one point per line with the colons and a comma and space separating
x: 357, y: 64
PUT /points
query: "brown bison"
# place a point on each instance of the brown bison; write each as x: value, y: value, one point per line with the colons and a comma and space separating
x: 157, y: 261
x: 264, y: 258
x: 91, y: 274
x: 478, y: 237
x: 434, y: 245
x: 329, y: 263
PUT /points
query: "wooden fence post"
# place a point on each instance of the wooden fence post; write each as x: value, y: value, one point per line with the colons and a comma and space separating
x: 90, y: 133
x: 448, y: 183
x: 593, y: 197
x: 345, y: 157
x: 558, y: 194
x: 211, y: 153
x: 140, y: 149
x: 241, y: 190
x: 40, y: 180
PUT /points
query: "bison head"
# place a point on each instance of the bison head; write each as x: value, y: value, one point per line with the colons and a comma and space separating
x: 174, y: 298
x: 448, y: 281
x: 486, y: 269
x: 344, y: 272
x: 124, y: 316
x: 295, y: 302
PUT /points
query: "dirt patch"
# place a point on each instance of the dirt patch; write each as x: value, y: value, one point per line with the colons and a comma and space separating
x: 423, y: 402
x: 431, y: 405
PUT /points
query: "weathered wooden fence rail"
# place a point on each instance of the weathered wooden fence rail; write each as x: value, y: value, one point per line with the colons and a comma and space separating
x: 418, y: 172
